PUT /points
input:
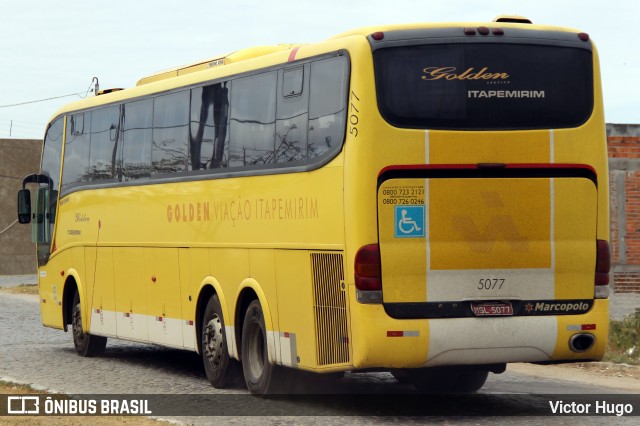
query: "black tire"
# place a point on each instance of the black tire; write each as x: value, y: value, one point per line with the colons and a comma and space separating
x: 86, y: 345
x: 221, y: 370
x: 443, y: 380
x: 470, y: 381
x: 261, y: 377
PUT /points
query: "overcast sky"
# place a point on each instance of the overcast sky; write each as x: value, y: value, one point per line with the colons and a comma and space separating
x: 52, y: 48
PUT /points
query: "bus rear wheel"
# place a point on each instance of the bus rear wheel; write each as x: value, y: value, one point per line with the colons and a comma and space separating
x: 221, y: 370
x: 260, y: 376
x: 86, y: 344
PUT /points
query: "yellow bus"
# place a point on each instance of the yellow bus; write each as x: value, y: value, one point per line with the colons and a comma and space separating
x: 429, y: 200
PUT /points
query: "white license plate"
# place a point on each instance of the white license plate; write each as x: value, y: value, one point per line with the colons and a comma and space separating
x: 492, y: 309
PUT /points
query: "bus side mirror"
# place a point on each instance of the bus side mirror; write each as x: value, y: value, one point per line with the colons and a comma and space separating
x: 24, y: 206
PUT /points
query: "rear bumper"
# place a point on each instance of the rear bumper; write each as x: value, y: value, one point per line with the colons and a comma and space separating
x: 380, y: 341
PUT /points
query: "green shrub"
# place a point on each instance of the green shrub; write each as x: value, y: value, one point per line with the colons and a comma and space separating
x: 624, y: 340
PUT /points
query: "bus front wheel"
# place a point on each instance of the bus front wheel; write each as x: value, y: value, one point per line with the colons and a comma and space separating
x: 220, y: 368
x: 260, y: 376
x: 86, y: 344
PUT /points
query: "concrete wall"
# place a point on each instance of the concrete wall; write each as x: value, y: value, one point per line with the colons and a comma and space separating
x: 18, y: 157
x: 624, y: 170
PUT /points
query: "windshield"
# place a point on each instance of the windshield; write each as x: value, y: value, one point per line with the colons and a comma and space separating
x: 484, y: 86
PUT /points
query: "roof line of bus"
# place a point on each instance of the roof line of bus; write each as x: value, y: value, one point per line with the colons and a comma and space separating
x: 233, y: 57
x: 365, y: 31
x: 245, y: 60
x: 242, y: 61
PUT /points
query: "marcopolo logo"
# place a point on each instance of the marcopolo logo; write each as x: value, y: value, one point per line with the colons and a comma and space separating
x: 564, y: 307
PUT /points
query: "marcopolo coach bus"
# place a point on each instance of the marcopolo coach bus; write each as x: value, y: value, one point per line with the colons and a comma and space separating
x: 430, y: 200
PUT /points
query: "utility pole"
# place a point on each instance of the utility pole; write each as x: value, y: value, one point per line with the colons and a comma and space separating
x: 10, y: 128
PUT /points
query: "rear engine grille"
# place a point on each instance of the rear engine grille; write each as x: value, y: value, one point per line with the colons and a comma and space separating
x: 330, y: 307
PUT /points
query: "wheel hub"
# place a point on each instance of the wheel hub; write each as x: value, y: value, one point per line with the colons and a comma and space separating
x: 213, y: 341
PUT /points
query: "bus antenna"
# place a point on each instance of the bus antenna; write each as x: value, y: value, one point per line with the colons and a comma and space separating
x: 96, y: 87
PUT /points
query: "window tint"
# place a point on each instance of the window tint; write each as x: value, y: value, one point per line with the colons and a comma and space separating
x: 76, y: 150
x: 208, y: 134
x: 105, y: 129
x: 45, y: 200
x: 327, y: 105
x: 137, y: 139
x: 293, y: 116
x: 253, y: 114
x: 292, y: 80
x: 484, y: 86
x: 52, y: 152
x: 170, y: 152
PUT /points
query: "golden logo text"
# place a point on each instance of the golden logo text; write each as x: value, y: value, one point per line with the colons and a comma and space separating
x: 451, y: 73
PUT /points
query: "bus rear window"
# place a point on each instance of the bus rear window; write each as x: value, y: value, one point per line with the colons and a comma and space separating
x: 484, y: 86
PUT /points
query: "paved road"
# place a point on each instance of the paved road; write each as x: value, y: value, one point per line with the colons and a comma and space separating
x: 44, y: 357
x: 17, y: 280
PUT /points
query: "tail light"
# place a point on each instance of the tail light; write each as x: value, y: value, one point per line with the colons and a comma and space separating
x: 367, y: 268
x: 603, y: 266
x: 603, y: 262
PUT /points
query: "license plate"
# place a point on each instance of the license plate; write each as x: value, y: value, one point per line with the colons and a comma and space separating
x: 492, y: 309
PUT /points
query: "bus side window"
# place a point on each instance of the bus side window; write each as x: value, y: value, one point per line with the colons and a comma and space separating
x: 292, y: 80
x: 45, y: 199
x: 76, y: 150
x: 327, y: 106
x: 252, y: 124
x: 293, y: 115
x: 170, y: 153
x: 209, y: 125
x: 137, y: 139
x: 105, y: 132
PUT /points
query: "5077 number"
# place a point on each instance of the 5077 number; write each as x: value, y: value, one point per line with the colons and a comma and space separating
x: 354, y: 118
x: 490, y: 283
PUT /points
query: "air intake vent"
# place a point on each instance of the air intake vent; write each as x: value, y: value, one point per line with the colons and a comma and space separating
x: 330, y: 306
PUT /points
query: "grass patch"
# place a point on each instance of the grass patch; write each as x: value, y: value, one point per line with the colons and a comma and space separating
x: 13, y: 388
x: 624, y: 340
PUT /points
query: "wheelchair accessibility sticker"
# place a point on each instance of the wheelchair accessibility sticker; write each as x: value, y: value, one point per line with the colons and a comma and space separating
x: 409, y: 221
